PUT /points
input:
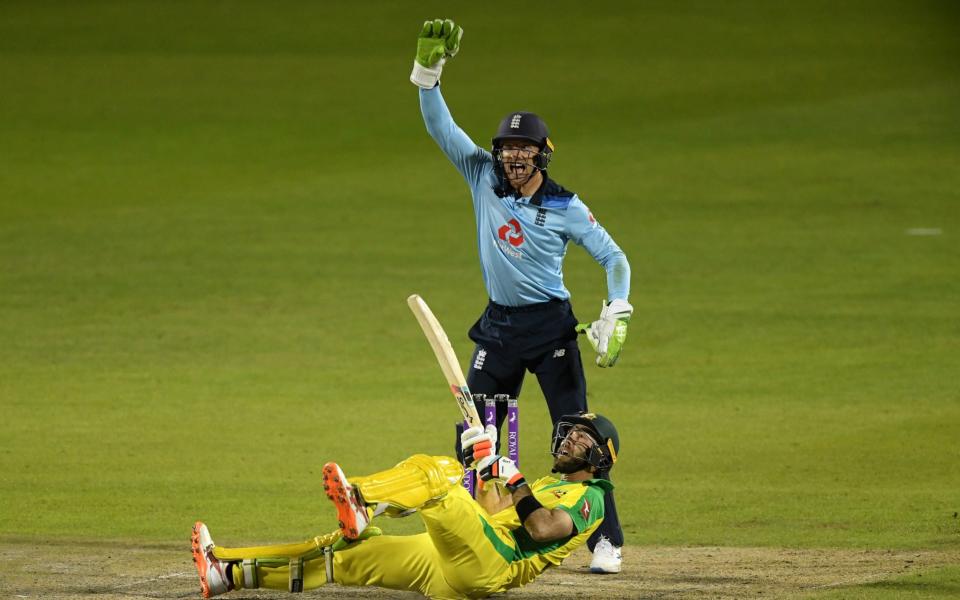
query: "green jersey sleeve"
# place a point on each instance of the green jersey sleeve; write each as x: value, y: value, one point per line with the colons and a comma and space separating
x: 587, y: 510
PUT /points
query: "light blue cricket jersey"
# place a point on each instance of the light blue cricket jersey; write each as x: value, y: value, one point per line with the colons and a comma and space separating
x: 522, y: 245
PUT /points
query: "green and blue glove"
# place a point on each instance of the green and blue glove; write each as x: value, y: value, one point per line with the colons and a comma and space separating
x: 608, y: 333
x: 439, y: 40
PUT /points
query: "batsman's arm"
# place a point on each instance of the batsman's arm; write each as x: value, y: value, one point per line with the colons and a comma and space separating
x: 543, y: 524
x: 493, y: 498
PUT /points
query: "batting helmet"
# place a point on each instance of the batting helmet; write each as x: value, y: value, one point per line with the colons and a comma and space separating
x: 528, y: 127
x: 603, y: 454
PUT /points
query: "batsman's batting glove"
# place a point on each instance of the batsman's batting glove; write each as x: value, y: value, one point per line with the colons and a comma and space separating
x: 608, y: 333
x: 478, y: 443
x: 502, y: 469
x: 439, y: 40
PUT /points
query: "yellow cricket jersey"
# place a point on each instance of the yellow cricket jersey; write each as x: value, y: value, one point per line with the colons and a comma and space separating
x: 465, y: 552
x: 582, y: 500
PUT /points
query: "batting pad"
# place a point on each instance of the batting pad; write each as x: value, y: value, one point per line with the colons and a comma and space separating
x: 412, y: 483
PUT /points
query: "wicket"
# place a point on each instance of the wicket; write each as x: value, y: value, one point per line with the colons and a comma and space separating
x: 490, y: 418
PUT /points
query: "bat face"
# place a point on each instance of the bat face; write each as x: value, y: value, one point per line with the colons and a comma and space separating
x: 446, y: 357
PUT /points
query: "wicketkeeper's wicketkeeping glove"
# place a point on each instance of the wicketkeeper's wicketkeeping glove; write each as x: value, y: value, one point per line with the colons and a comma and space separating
x: 608, y: 333
x: 502, y: 469
x: 439, y: 40
x: 478, y: 443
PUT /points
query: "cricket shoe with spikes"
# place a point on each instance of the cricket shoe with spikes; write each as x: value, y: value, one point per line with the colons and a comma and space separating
x: 213, y: 576
x: 351, y: 511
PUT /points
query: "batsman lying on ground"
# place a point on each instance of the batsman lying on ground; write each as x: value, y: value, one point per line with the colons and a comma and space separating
x: 471, y: 548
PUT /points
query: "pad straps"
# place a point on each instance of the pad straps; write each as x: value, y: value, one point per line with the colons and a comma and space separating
x: 296, y: 575
x: 250, y: 580
x: 328, y: 562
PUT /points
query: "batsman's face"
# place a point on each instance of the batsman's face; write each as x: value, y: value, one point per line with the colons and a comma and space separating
x: 518, y: 161
x: 573, y: 450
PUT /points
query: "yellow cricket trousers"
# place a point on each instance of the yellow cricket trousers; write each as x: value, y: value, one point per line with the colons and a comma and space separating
x: 461, y: 555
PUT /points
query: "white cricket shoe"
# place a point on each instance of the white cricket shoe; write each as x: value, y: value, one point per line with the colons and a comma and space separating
x: 351, y: 512
x: 606, y: 557
x: 213, y: 578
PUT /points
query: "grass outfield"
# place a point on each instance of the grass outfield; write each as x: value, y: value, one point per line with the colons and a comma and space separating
x: 210, y: 217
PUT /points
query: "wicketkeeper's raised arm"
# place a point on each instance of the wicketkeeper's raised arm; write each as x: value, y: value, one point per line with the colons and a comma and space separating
x: 438, y: 41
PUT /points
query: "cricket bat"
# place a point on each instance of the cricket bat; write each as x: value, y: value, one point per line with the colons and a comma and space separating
x: 447, y: 359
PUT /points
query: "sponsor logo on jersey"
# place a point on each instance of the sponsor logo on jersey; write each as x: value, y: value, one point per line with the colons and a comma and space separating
x: 509, y: 251
x: 585, y: 509
x: 511, y: 232
x: 511, y: 237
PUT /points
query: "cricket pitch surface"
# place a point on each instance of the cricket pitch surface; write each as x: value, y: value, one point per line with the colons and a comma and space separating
x: 68, y: 570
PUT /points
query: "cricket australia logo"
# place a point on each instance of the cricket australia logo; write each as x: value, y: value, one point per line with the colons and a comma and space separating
x: 515, y: 122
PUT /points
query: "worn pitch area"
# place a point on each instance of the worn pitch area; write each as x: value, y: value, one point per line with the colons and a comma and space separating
x: 119, y: 570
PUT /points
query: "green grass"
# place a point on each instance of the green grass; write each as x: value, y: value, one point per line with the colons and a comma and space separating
x: 939, y: 583
x: 210, y: 217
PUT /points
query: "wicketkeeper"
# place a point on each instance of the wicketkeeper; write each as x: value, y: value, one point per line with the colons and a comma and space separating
x: 525, y: 221
x: 471, y: 548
